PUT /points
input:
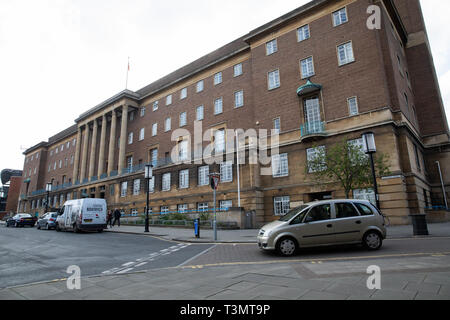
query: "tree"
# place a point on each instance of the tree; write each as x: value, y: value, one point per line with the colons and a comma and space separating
x: 347, y: 163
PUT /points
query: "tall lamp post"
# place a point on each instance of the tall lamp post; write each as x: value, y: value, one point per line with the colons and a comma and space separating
x: 48, y: 188
x: 148, y: 176
x: 370, y: 148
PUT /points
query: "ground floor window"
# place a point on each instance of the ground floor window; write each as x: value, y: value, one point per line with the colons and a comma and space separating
x: 202, y: 206
x: 365, y: 194
x: 225, y: 204
x: 281, y: 205
x: 164, y: 209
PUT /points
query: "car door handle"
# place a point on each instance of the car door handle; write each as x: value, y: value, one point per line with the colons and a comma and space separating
x: 329, y: 226
x: 358, y: 222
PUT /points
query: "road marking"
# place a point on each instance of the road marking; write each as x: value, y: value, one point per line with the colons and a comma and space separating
x: 309, y: 260
x: 128, y: 264
x: 125, y: 270
x: 196, y: 256
x: 140, y: 264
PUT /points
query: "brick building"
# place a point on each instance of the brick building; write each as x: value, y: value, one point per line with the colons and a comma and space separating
x: 317, y: 75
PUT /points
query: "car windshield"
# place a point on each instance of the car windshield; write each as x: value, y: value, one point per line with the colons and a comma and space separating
x: 293, y: 213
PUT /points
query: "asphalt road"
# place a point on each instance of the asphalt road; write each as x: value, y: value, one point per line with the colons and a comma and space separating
x: 29, y: 255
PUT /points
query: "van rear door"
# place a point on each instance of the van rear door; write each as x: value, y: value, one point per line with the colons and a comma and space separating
x: 94, y: 213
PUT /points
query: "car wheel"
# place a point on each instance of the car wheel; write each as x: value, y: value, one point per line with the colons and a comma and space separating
x: 75, y: 228
x: 372, y: 240
x: 57, y: 228
x: 287, y: 247
x: 38, y: 226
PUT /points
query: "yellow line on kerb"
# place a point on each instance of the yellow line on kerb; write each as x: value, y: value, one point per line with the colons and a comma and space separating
x: 223, y: 264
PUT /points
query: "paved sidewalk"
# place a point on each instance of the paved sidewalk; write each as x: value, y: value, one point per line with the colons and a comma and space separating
x: 423, y: 278
x: 249, y: 236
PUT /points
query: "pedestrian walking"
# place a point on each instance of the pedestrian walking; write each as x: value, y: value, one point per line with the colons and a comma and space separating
x: 117, y: 215
x: 109, y: 218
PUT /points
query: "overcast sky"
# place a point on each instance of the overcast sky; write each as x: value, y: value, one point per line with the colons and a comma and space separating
x: 59, y: 58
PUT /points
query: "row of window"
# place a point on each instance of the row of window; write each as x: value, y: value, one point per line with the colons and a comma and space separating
x: 60, y: 164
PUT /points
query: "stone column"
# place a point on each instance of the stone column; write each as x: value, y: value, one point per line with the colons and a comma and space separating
x: 76, y: 159
x: 93, y: 149
x: 84, y: 153
x: 123, y: 138
x: 112, y: 143
x: 101, y: 156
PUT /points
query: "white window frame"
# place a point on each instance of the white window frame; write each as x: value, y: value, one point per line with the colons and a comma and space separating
x: 353, y: 108
x: 203, y: 176
x: 183, y: 119
x: 200, y: 86
x: 130, y: 138
x: 182, y: 208
x: 365, y: 194
x: 281, y: 205
x: 202, y: 207
x: 202, y: 108
x: 275, y: 122
x: 136, y: 187
x: 239, y: 99
x: 154, y: 129
x: 167, y: 124
x: 301, y: 31
x: 218, y: 78
x: 169, y: 100
x: 271, y: 47
x: 225, y: 204
x: 183, y: 179
x: 349, y: 55
x: 218, y: 106
x: 183, y: 153
x: 142, y: 134
x: 142, y: 113
x: 307, y: 69
x: 164, y: 209
x: 238, y: 70
x: 155, y: 105
x: 123, y: 189
x: 226, y: 171
x: 280, y: 165
x: 166, y: 182
x: 154, y: 157
x: 151, y: 185
x: 183, y: 93
x: 219, y: 141
x: 340, y: 17
x: 310, y: 153
x: 273, y: 79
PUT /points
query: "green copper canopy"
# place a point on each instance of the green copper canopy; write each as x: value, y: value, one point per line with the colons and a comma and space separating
x: 308, y: 88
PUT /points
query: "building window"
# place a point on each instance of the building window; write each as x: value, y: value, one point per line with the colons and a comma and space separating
x: 155, y: 105
x: 131, y: 115
x: 238, y: 70
x: 151, y: 185
x: 225, y: 204
x: 218, y: 106
x: 200, y: 113
x: 219, y: 141
x: 74, y: 142
x: 182, y: 208
x: 130, y: 163
x: 281, y: 205
x: 51, y: 154
x: 54, y: 167
x: 183, y: 150
x: 56, y: 151
x: 183, y: 93
x: 239, y: 99
x: 62, y: 149
x: 303, y: 33
x: 111, y: 190
x: 142, y: 111
x: 154, y: 129
x: 169, y: 100
x: 226, y: 171
x: 203, y: 176
x: 280, y: 165
x: 345, y: 53
x: 136, y: 187
x: 130, y: 138
x: 271, y: 47
x: 166, y: 182
x: 273, y: 79
x: 168, y: 125
x: 311, y: 155
x: 200, y: 86
x: 123, y: 189
x: 307, y: 67
x: 312, y: 114
x: 60, y: 166
x: 218, y: 78
x: 365, y: 194
x: 154, y: 157
x: 416, y: 152
x: 277, y: 125
x: 164, y: 209
x: 184, y: 179
x: 202, y: 206
x: 340, y: 17
x: 353, y: 106
x: 142, y: 134
x: 183, y: 119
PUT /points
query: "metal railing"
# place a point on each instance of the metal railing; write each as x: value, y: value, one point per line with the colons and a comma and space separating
x: 311, y: 128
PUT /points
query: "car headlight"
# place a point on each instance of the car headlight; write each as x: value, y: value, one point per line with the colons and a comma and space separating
x: 263, y: 233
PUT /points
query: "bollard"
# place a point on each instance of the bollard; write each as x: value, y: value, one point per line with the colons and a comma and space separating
x: 419, y: 223
x: 197, y: 228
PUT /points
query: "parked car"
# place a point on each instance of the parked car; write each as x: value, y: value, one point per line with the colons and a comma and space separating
x: 21, y: 220
x: 47, y: 221
x: 82, y: 215
x: 325, y: 223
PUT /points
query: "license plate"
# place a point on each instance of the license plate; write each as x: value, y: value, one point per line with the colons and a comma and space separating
x: 87, y: 220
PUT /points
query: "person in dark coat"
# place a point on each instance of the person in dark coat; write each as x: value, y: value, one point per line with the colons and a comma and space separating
x: 117, y: 215
x: 109, y: 218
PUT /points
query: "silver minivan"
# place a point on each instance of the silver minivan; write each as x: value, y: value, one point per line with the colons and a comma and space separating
x: 325, y: 223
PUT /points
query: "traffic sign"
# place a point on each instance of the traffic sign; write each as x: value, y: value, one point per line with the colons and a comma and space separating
x: 214, y: 182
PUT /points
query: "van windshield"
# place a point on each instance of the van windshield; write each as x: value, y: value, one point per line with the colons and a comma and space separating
x: 293, y: 213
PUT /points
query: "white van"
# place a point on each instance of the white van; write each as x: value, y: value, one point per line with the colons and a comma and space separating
x: 82, y: 215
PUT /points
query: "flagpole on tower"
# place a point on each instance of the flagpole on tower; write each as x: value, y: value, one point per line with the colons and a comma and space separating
x: 128, y: 70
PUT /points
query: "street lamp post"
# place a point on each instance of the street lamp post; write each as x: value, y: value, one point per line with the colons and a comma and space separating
x: 148, y: 176
x: 48, y: 188
x: 370, y: 148
x: 214, y: 183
